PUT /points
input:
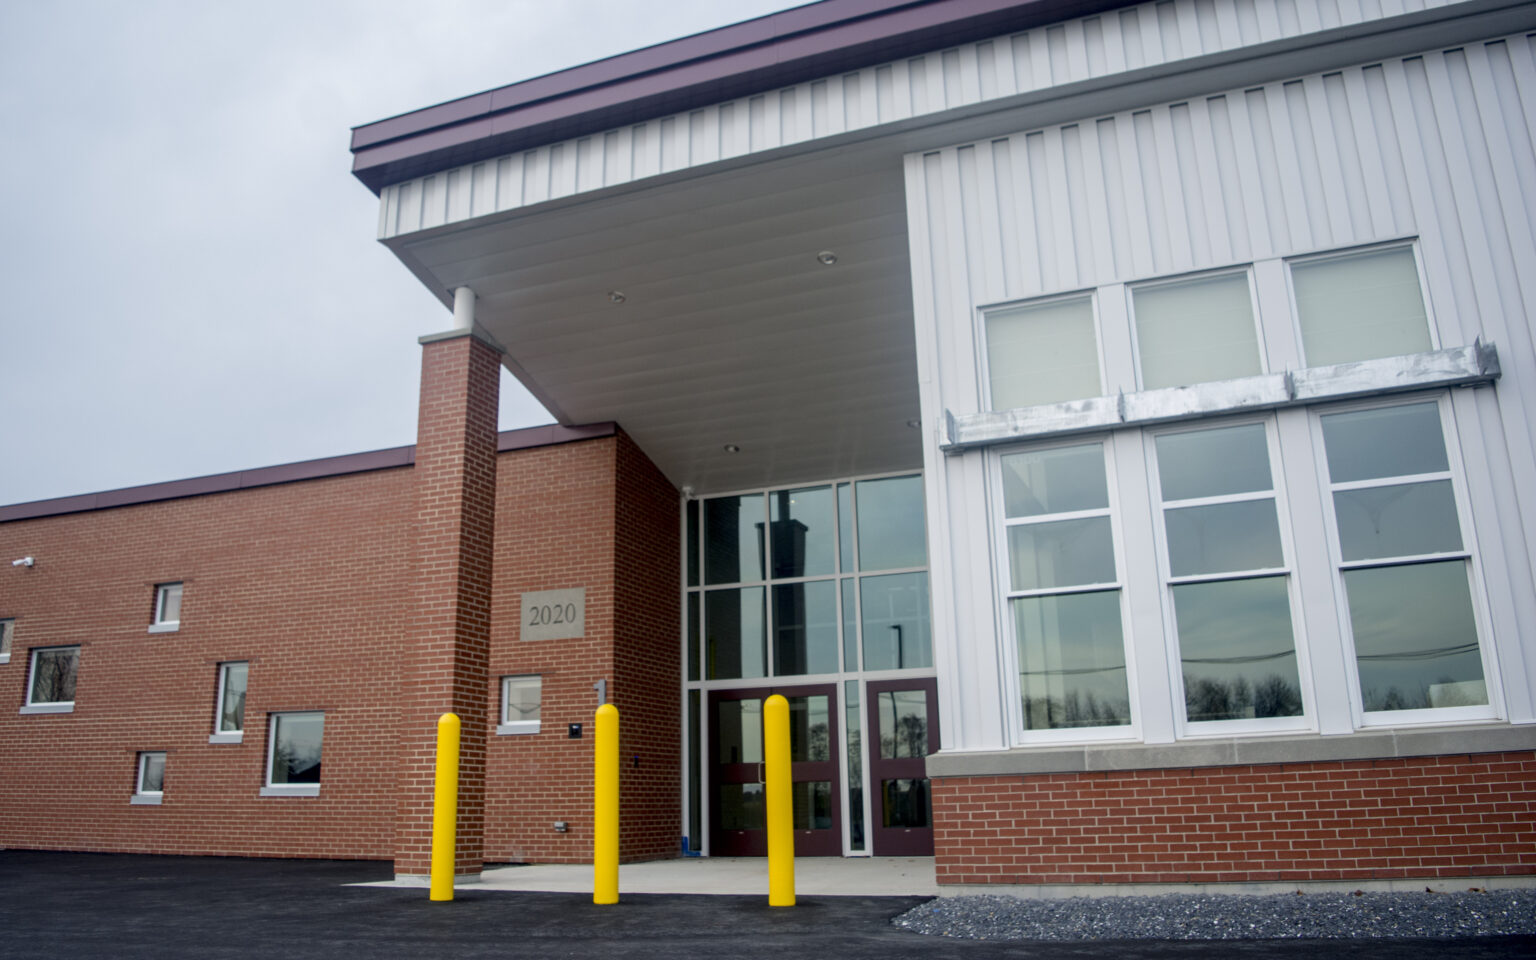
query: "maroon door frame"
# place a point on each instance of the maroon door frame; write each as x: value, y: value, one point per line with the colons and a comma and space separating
x: 754, y: 843
x: 898, y: 841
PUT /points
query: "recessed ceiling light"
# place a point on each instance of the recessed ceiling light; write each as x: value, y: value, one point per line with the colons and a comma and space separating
x: 616, y: 297
x: 732, y: 448
x: 826, y: 258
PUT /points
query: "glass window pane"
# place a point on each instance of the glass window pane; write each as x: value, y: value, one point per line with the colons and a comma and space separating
x: 1223, y: 537
x: 1360, y: 307
x: 850, y: 628
x: 1061, y: 553
x: 854, y: 725
x: 810, y: 729
x: 232, y: 709
x: 811, y: 805
x: 53, y: 675
x: 735, y: 634
x: 693, y: 636
x: 1402, y: 520
x: 1213, y: 463
x: 803, y: 535
x: 152, y: 773
x: 903, y: 724
x: 805, y: 628
x: 1063, y: 480
x: 1072, y: 661
x: 1195, y: 331
x: 523, y: 696
x: 691, y: 535
x: 741, y: 806
x: 6, y: 628
x: 1415, y: 637
x: 1042, y: 353
x: 1385, y: 442
x: 905, y: 803
x: 170, y: 603
x: 733, y: 539
x: 891, y: 529
x: 896, y: 621
x: 1237, y: 649
x: 695, y: 776
x: 296, y: 752
x: 739, y: 731
x: 845, y: 527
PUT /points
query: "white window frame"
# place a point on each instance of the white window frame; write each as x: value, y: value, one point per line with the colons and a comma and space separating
x: 142, y: 797
x: 1020, y: 735
x: 54, y: 706
x: 1184, y: 728
x: 7, y: 636
x: 1246, y: 270
x: 1339, y: 253
x: 507, y: 727
x: 984, y: 361
x: 162, y: 592
x: 220, y: 735
x: 270, y: 789
x: 1469, y: 553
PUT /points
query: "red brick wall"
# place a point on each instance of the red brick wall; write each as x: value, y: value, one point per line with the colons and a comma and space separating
x: 596, y: 515
x: 308, y: 581
x: 1360, y: 820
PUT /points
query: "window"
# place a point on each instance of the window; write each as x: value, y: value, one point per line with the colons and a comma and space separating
x: 229, y: 714
x: 1195, y: 330
x: 7, y: 628
x: 520, y: 704
x: 1043, y: 352
x: 1224, y: 564
x: 293, y: 755
x: 150, y: 786
x: 51, y: 683
x: 1064, y: 589
x: 167, y: 608
x: 1360, y: 306
x: 1404, y: 564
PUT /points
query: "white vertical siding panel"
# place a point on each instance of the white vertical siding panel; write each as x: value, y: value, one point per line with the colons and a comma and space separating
x: 885, y: 93
x: 1106, y: 267
x: 788, y: 115
x: 1236, y: 204
x: 956, y: 310
x: 917, y: 88
x: 1072, y: 183
x: 1518, y: 128
x: 483, y: 189
x: 536, y: 174
x: 1191, y: 184
x: 434, y: 201
x: 1076, y: 42
x: 977, y: 259
x: 969, y: 71
x: 820, y: 126
x: 837, y: 106
x: 1114, y: 43
x: 901, y: 89
x: 1229, y: 29
x: 1393, y: 8
x: 854, y: 96
x: 1333, y: 153
x: 1113, y: 190
x: 1214, y: 226
x: 1260, y: 149
x: 509, y: 182
x: 1522, y: 57
x: 389, y: 209
x: 1166, y: 184
x: 1191, y: 36
x: 1007, y: 218
x: 1143, y: 248
x: 1328, y: 14
x: 671, y: 145
x: 562, y: 170
x: 1050, y: 228
x: 1039, y: 60
x: 1056, y: 54
x: 1095, y: 58
x: 986, y: 70
x: 589, y: 168
x: 1290, y: 17
x: 1350, y: 12
x: 1022, y: 55
x: 1002, y: 55
x: 988, y: 226
x: 935, y: 70
x: 610, y: 158
x: 757, y: 123
x: 1299, y: 213
x: 1170, y: 44
x: 410, y: 206
x: 1209, y: 24
x: 1271, y: 26
x: 1130, y: 35
x: 1368, y: 147
x: 1384, y: 123
x: 1029, y: 217
x: 1150, y: 188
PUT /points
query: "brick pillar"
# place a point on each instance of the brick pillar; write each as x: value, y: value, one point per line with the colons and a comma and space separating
x: 448, y: 639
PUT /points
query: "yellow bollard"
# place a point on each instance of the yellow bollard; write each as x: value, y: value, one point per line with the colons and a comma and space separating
x: 605, y: 807
x: 780, y: 801
x: 445, y: 807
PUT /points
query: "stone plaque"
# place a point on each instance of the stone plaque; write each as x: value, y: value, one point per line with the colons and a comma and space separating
x: 554, y: 614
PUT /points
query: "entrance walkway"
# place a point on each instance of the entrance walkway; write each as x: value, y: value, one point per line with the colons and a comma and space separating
x: 814, y: 876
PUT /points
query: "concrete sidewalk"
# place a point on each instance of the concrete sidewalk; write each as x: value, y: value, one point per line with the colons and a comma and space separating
x: 814, y: 876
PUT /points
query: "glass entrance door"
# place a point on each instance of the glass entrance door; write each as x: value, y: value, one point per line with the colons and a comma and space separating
x: 737, y: 809
x: 903, y: 721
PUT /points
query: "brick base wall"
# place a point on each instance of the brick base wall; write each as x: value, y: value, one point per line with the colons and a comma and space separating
x: 1360, y: 820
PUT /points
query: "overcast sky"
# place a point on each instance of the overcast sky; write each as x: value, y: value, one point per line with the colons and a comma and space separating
x: 190, y: 279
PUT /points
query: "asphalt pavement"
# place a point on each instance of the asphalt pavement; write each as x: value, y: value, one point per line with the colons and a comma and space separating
x: 125, y: 907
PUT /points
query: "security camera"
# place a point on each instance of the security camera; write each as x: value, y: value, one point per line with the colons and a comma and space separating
x: 23, y: 562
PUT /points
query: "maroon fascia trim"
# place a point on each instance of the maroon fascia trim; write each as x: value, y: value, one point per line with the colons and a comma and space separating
x: 288, y: 472
x: 778, y: 50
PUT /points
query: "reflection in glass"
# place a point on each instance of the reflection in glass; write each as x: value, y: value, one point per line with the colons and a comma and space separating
x: 804, y: 536
x: 905, y: 803
x: 53, y: 675
x: 691, y: 536
x: 741, y: 806
x: 1061, y: 480
x: 1213, y: 463
x: 850, y: 628
x: 693, y: 636
x: 891, y: 532
x: 232, y: 709
x: 1042, y: 353
x: 1237, y: 650
x: 1384, y: 442
x: 733, y: 539
x: 1195, y: 331
x: 845, y: 527
x: 1072, y: 660
x: 805, y: 627
x: 695, y: 776
x: 1361, y: 306
x: 735, y: 634
x: 1222, y: 537
x: 153, y: 778
x: 903, y: 724
x: 809, y: 729
x: 854, y: 724
x: 523, y: 696
x: 1415, y: 637
x: 1402, y: 520
x: 896, y: 621
x: 296, y: 749
x: 1061, y: 553
x: 811, y: 804
x: 739, y: 731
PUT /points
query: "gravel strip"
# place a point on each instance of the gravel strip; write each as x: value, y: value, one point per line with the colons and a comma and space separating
x: 1187, y: 916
